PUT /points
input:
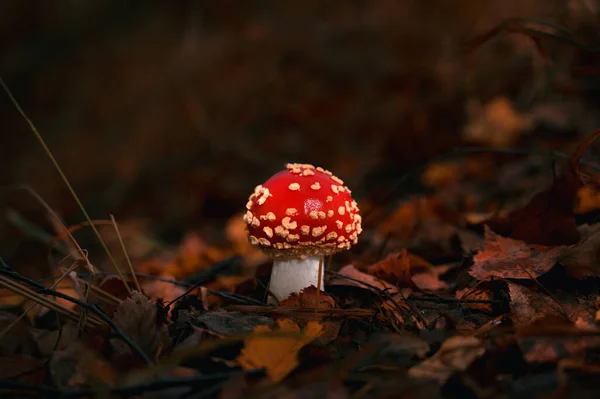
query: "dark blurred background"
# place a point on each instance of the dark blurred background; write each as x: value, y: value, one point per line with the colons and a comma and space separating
x: 171, y: 112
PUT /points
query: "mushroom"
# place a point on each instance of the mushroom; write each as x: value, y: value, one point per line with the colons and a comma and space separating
x: 297, y: 217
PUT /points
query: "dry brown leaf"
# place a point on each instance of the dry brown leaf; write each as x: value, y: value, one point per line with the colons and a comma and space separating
x: 588, y: 200
x: 583, y: 260
x: 277, y: 354
x: 507, y: 258
x: 136, y: 316
x: 551, y: 339
x: 19, y: 338
x: 23, y: 368
x: 441, y: 174
x: 475, y: 294
x: 528, y: 306
x: 374, y: 284
x: 307, y: 298
x: 456, y: 354
x: 548, y: 219
x: 497, y: 123
x: 395, y: 269
x: 162, y: 289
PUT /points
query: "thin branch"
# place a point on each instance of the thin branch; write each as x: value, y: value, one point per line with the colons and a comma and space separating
x: 91, y: 308
x: 135, y: 280
x: 63, y: 177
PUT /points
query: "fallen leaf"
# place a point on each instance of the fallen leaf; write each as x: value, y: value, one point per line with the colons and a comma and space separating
x: 588, y: 200
x: 356, y: 278
x: 549, y: 219
x: 497, y: 123
x: 307, y: 298
x: 551, y: 339
x: 528, y: 306
x: 583, y: 259
x: 440, y: 174
x: 277, y: 354
x: 18, y: 339
x: 227, y: 323
x: 165, y: 290
x: 395, y: 269
x: 475, y: 293
x: 23, y: 368
x: 136, y: 316
x: 456, y: 354
x: 508, y: 258
x: 398, y: 350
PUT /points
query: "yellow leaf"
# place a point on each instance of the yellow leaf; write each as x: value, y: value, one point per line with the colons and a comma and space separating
x: 277, y: 354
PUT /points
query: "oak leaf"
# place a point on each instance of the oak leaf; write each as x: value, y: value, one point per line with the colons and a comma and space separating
x: 277, y: 353
x: 507, y: 258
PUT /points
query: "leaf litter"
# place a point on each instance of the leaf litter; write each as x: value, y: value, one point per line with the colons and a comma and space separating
x: 479, y: 280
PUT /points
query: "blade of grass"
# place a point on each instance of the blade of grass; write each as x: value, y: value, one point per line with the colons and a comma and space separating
x: 30, y: 308
x: 135, y: 280
x: 65, y: 180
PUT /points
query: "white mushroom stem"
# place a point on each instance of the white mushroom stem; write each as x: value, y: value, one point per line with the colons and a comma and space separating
x: 289, y: 276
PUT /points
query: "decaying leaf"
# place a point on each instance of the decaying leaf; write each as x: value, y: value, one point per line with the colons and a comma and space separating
x: 583, y: 260
x: 356, y: 277
x: 136, y: 316
x: 549, y: 219
x: 528, y: 306
x: 551, y: 339
x: 307, y: 298
x: 508, y: 258
x: 227, y: 323
x: 277, y: 350
x: 395, y: 269
x: 497, y: 123
x: 456, y: 354
x: 475, y: 293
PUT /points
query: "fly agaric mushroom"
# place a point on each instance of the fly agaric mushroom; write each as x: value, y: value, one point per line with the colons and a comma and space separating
x: 298, y: 216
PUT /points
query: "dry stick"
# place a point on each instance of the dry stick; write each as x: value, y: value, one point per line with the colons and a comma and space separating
x: 92, y: 308
x: 45, y: 205
x: 24, y: 313
x: 100, y: 293
x: 137, y: 283
x: 65, y: 180
x: 40, y: 299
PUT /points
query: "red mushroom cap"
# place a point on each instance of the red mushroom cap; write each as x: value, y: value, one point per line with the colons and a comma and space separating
x: 302, y: 211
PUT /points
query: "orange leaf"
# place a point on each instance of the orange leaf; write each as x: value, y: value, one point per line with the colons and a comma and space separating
x: 508, y: 258
x: 277, y: 353
x: 395, y: 269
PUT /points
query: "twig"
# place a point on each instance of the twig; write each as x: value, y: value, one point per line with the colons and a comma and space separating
x: 91, y: 308
x: 37, y: 297
x: 24, y: 313
x: 64, y: 178
x: 357, y: 312
x: 135, y: 280
x: 443, y: 299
